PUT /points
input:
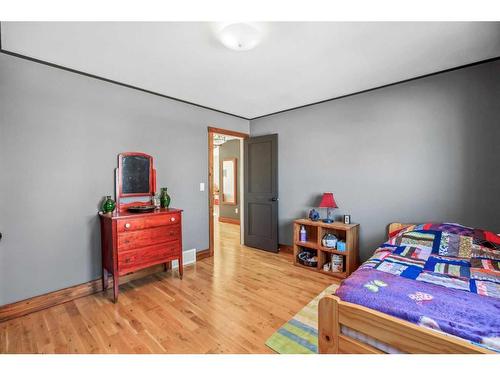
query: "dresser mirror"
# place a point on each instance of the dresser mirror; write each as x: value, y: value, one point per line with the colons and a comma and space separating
x: 135, y: 180
x: 136, y: 175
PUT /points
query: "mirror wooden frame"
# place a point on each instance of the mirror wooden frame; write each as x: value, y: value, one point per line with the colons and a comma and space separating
x: 235, y: 181
x: 119, y: 182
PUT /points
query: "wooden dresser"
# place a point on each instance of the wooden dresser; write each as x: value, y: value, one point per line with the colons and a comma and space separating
x: 133, y: 241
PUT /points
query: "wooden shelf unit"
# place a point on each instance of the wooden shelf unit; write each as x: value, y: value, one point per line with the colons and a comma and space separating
x: 315, y: 231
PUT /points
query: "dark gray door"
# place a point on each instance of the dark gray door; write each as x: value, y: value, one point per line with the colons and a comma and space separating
x: 261, y: 192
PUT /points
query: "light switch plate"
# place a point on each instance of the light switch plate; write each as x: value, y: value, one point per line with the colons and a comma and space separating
x: 202, y: 186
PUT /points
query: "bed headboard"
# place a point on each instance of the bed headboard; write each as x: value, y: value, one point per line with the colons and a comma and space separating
x: 394, y: 227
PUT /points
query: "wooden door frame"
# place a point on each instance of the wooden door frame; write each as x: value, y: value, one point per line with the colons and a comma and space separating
x: 211, y: 131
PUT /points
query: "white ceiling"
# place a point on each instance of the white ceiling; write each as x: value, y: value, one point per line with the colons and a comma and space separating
x: 296, y: 63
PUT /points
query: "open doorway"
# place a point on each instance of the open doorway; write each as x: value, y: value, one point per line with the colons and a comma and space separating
x: 225, y: 155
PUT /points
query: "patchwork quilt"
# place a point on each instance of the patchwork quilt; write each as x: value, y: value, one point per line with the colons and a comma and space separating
x: 444, y: 276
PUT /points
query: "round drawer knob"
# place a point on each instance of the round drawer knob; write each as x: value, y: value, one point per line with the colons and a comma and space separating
x: 172, y: 219
x: 127, y: 225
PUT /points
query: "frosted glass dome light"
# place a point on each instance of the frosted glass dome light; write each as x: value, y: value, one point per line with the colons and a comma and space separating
x: 240, y: 36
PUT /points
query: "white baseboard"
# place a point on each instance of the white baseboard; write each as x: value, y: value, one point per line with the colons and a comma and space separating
x: 188, y: 257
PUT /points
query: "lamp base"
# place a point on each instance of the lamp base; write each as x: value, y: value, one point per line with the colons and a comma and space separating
x: 327, y: 221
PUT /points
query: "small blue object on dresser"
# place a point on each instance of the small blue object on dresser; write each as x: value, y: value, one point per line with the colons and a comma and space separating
x: 340, y: 245
x: 314, y: 215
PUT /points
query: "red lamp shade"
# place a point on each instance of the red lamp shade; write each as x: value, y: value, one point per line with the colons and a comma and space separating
x: 328, y: 201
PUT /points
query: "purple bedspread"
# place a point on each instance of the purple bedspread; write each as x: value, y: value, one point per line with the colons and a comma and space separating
x: 466, y: 315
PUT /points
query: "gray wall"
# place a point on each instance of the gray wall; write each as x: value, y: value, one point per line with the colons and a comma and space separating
x: 230, y: 149
x: 60, y: 134
x: 422, y: 150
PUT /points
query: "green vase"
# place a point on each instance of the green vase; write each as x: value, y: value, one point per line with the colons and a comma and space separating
x: 164, y: 198
x: 108, y: 205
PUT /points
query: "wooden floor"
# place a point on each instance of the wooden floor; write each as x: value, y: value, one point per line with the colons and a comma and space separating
x: 230, y: 303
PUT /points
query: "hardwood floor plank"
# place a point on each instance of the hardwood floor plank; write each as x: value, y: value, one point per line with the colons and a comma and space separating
x: 230, y: 303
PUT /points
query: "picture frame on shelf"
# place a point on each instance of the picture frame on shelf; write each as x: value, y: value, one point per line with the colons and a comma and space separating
x: 347, y: 219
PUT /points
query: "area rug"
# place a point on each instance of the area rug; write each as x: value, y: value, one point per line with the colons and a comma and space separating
x: 300, y: 334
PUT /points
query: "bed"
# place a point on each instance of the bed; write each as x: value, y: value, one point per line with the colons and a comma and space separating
x: 431, y: 288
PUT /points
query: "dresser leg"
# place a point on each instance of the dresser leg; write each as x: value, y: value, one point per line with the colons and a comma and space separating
x: 105, y: 279
x: 181, y: 271
x: 116, y: 286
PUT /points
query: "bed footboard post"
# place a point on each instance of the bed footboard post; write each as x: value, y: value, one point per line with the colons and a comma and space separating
x: 328, y: 325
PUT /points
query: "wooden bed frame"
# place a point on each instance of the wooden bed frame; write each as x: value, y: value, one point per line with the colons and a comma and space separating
x: 400, y: 334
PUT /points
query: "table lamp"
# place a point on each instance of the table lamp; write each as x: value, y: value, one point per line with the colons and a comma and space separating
x: 328, y: 202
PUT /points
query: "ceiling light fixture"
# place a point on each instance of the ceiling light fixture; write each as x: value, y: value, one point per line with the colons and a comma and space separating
x: 240, y: 36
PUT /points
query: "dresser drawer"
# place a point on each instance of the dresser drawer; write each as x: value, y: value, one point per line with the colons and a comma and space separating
x: 146, y: 237
x: 131, y: 224
x: 147, y: 256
